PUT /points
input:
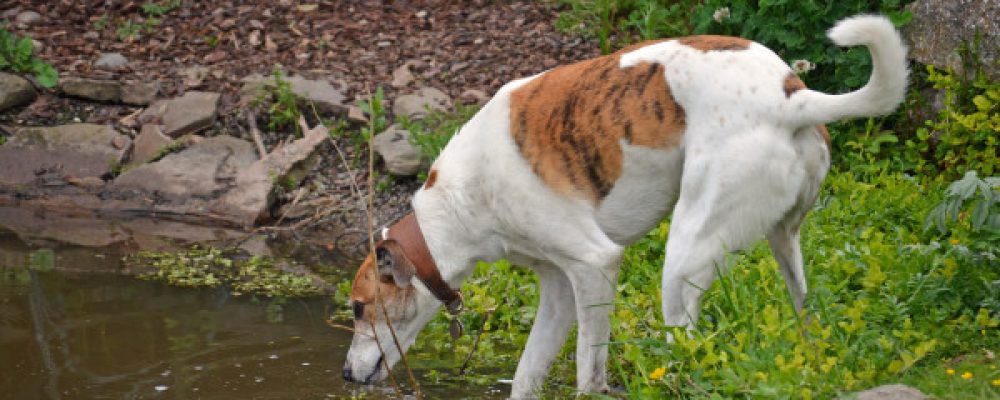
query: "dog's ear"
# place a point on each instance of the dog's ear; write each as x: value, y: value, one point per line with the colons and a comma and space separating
x: 393, y: 263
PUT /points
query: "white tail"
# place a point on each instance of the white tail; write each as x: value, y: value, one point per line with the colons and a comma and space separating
x: 885, y: 89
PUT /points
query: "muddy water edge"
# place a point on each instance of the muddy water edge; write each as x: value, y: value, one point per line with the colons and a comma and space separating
x: 74, y: 326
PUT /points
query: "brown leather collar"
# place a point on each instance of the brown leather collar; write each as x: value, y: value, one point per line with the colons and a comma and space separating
x: 406, y: 232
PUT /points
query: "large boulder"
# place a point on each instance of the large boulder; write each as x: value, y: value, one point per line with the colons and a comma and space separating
x: 61, y: 152
x: 940, y: 27
x: 15, y: 91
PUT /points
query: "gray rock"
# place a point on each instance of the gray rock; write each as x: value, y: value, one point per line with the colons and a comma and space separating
x: 417, y: 104
x: 92, y: 89
x: 150, y: 142
x: 15, y: 91
x: 204, y: 170
x: 111, y: 61
x: 139, y: 93
x: 401, y: 157
x: 474, y: 96
x: 356, y: 115
x: 189, y: 113
x: 27, y: 17
x: 891, y: 392
x: 402, y: 75
x: 251, y: 196
x: 327, y: 99
x: 939, y: 28
x: 60, y: 152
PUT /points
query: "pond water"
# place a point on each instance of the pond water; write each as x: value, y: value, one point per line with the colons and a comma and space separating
x: 72, y: 327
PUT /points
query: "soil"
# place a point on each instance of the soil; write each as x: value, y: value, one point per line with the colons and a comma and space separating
x: 356, y: 44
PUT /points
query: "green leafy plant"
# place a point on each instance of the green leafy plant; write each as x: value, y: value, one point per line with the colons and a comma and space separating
x: 17, y: 54
x: 128, y: 30
x: 282, y: 104
x: 433, y: 132
x: 161, y: 8
x: 981, y: 195
x: 617, y: 23
x: 374, y: 107
x: 101, y: 23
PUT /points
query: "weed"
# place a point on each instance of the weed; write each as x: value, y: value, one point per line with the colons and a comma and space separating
x: 374, y: 107
x: 434, y: 131
x: 283, y: 109
x: 17, y: 54
x: 985, y: 214
x: 128, y: 30
x: 101, y: 23
x: 160, y: 9
x: 212, y: 41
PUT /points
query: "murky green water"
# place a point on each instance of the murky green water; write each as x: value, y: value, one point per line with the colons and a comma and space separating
x: 72, y: 328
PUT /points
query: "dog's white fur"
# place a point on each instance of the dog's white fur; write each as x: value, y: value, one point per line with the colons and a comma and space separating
x: 750, y: 165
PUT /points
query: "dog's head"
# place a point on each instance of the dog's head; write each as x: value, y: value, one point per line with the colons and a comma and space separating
x: 385, y: 293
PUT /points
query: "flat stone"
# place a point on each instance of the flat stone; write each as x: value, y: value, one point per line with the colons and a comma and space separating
x: 205, y: 169
x: 401, y: 157
x: 940, y: 27
x: 327, y: 99
x: 356, y: 115
x: 111, y: 61
x: 15, y: 91
x: 402, y: 75
x: 150, y: 142
x: 28, y: 17
x: 139, y: 93
x: 92, y: 89
x: 251, y: 198
x: 419, y: 103
x: 189, y: 113
x: 891, y: 392
x: 60, y: 152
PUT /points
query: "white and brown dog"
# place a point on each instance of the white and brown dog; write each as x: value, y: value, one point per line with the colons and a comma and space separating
x: 562, y: 170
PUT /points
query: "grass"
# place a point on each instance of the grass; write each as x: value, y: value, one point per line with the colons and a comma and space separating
x: 888, y: 303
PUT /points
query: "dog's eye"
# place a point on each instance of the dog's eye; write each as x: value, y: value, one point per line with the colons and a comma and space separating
x: 359, y: 309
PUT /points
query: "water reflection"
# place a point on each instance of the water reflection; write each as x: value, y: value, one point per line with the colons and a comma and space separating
x: 72, y: 328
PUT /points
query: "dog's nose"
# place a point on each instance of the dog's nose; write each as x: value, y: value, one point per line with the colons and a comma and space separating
x: 347, y: 374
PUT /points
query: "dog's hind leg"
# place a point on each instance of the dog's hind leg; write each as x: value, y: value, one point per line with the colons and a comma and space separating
x: 556, y: 313
x: 784, y: 241
x: 729, y: 198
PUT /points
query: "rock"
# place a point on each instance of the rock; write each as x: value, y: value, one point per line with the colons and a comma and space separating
x: 194, y: 76
x: 417, y: 104
x: 356, y: 115
x: 891, y: 392
x: 401, y: 157
x: 939, y: 27
x: 75, y: 150
x: 402, y: 75
x: 327, y: 99
x: 150, y: 142
x: 189, y: 113
x: 204, y: 170
x: 27, y: 17
x: 139, y: 93
x: 111, y: 61
x: 92, y: 89
x: 474, y: 96
x: 250, y: 198
x: 15, y: 91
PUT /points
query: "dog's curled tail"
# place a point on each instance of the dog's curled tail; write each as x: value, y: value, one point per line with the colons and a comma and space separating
x: 885, y: 89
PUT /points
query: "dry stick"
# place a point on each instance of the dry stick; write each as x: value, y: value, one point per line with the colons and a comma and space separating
x: 252, y: 125
x: 475, y: 345
x: 371, y: 245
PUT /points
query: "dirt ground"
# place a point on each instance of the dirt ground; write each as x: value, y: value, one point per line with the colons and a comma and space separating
x: 356, y: 44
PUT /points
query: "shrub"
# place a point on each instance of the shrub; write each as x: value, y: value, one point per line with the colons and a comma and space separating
x: 16, y: 54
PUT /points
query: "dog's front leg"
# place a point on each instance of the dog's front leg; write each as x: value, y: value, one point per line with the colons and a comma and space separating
x: 594, y: 289
x: 556, y: 313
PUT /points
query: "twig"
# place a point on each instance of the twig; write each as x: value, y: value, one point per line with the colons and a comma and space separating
x: 252, y: 125
x: 475, y: 345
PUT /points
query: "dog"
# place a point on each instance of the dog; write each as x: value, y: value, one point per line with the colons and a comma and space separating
x: 561, y: 170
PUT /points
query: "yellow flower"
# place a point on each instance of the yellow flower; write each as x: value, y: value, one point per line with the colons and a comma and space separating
x: 954, y: 242
x: 950, y: 371
x: 967, y: 375
x: 658, y: 373
x: 995, y: 382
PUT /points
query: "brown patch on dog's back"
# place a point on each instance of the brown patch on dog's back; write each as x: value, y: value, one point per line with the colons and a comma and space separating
x: 568, y: 122
x: 715, y: 43
x: 793, y: 84
x: 431, y: 179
